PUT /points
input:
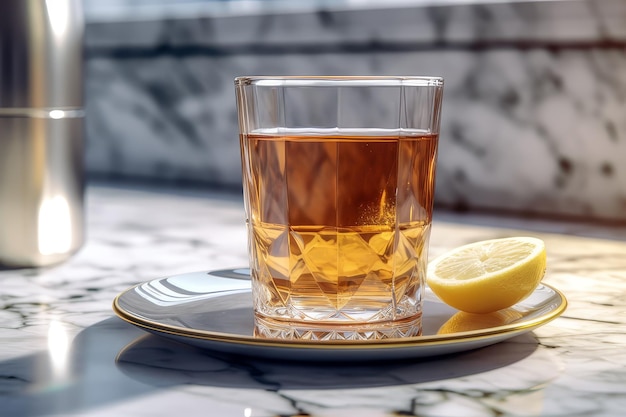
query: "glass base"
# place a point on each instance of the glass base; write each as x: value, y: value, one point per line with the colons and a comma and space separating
x: 265, y: 327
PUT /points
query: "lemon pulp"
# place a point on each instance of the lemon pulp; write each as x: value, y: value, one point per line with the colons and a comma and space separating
x: 490, y: 275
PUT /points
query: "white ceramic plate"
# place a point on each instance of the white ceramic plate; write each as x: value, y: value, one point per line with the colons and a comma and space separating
x: 213, y: 310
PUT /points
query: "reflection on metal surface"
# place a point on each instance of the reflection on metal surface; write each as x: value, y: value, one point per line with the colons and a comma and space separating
x: 41, y: 190
x: 55, y: 226
x: 41, y: 131
x: 42, y: 65
x: 58, y: 12
x: 57, y: 114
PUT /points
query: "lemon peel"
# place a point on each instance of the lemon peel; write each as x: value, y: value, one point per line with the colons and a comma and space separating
x: 489, y: 275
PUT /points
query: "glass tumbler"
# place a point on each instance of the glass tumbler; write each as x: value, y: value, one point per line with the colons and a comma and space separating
x: 338, y: 179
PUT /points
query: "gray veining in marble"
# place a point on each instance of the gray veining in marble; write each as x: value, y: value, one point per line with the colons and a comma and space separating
x: 332, y: 23
x: 534, y: 117
x: 64, y: 353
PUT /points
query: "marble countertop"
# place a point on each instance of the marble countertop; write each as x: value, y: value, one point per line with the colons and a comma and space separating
x: 60, y: 338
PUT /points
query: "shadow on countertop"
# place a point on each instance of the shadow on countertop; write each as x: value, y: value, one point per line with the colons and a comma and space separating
x: 113, y: 361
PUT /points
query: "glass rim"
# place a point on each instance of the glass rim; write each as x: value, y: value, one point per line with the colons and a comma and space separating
x: 340, y: 80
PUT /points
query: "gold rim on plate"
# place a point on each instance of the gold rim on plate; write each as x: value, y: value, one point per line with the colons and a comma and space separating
x: 498, y: 332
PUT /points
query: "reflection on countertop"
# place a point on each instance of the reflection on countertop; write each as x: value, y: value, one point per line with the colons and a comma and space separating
x: 63, y: 351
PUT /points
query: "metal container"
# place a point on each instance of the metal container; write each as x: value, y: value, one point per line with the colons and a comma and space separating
x: 41, y: 131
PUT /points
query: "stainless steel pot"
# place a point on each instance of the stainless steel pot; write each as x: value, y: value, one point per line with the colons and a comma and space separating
x: 41, y: 131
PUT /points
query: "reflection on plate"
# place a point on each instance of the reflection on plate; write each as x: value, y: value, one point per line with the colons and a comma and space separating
x: 213, y: 310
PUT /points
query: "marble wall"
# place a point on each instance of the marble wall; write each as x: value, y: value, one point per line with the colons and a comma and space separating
x: 534, y: 116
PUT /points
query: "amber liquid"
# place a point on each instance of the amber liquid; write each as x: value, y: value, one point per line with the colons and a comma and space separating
x: 338, y: 224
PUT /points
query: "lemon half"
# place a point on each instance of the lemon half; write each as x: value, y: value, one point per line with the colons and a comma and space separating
x: 490, y: 275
